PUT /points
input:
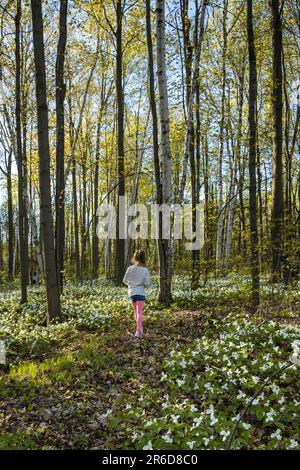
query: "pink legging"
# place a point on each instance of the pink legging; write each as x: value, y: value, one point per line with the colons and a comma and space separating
x: 138, y: 308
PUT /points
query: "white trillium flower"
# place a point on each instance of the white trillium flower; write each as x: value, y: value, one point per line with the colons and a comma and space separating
x: 175, y: 418
x: 246, y: 426
x: 224, y: 435
x: 295, y: 357
x: 269, y: 416
x: 180, y: 382
x: 277, y: 435
x: 171, y: 363
x: 236, y: 418
x: 167, y: 438
x: 208, y: 387
x: 210, y: 410
x: 191, y: 444
x: 213, y: 420
x: 148, y: 446
x: 183, y: 363
x: 293, y: 444
x: 198, y: 421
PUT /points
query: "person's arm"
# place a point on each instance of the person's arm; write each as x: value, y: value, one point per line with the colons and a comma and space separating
x: 125, y: 279
x: 147, y: 281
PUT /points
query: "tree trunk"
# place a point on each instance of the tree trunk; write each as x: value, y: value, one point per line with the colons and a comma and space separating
x: 219, y: 249
x: 52, y: 287
x: 252, y: 157
x: 20, y: 164
x: 84, y: 206
x: 188, y: 56
x: 156, y: 158
x: 10, y: 218
x: 237, y: 154
x: 277, y: 186
x: 60, y: 142
x: 74, y: 188
x: 1, y: 257
x: 95, y: 241
x: 120, y: 239
x: 24, y: 119
x: 164, y: 294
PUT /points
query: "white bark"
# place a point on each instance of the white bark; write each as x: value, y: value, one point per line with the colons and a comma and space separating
x: 230, y: 213
x: 163, y: 102
x: 219, y: 251
x: 165, y: 259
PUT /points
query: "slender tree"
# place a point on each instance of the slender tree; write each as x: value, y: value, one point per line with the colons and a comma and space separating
x: 10, y: 219
x: 23, y: 242
x: 219, y: 248
x: 155, y: 140
x: 95, y: 240
x: 277, y: 185
x: 60, y: 141
x: 166, y: 162
x: 120, y: 239
x: 52, y: 287
x: 252, y: 156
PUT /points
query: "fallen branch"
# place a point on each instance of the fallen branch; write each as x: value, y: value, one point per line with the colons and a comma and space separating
x: 233, y: 432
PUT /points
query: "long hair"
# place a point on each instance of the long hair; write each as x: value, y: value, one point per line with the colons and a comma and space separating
x: 139, y: 257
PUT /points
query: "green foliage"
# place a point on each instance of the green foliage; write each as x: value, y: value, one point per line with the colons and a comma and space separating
x: 208, y: 385
x: 83, y: 383
x: 16, y: 442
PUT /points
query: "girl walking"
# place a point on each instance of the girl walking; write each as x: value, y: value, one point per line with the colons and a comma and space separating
x: 137, y: 278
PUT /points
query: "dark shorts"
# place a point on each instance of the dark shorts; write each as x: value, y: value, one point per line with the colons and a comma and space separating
x: 136, y: 298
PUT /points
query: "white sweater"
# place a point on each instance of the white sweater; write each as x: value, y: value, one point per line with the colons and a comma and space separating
x: 136, y: 278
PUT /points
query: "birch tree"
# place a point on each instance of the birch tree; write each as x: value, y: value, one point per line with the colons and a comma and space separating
x: 165, y: 259
x: 252, y: 116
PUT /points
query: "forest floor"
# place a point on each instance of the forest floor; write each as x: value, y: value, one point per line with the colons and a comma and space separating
x: 87, y: 383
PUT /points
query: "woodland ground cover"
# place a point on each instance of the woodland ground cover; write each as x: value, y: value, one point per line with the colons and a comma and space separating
x: 84, y: 382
